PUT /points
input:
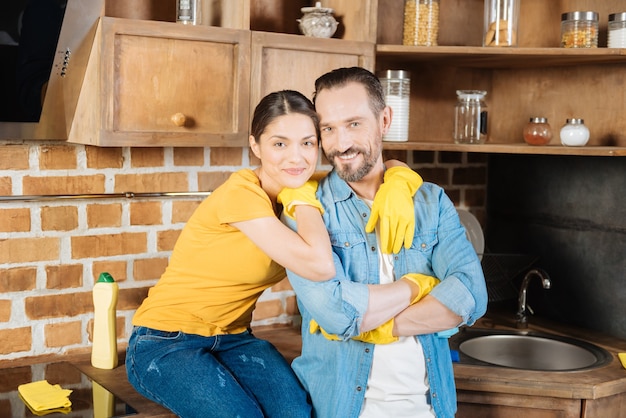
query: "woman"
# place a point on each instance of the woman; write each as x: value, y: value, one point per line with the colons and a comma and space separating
x: 191, y: 349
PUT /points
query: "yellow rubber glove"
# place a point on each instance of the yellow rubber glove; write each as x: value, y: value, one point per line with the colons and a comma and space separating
x: 380, y: 335
x: 303, y: 195
x: 393, y: 207
x: 426, y: 284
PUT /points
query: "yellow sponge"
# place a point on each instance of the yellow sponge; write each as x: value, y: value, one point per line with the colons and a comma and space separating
x: 41, y: 396
x: 622, y: 358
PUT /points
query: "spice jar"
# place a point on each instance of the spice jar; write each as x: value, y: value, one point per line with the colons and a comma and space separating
x: 537, y: 131
x: 500, y: 22
x: 617, y: 30
x: 470, y: 117
x: 579, y: 30
x: 317, y: 21
x: 397, y: 88
x: 574, y: 133
x: 421, y: 22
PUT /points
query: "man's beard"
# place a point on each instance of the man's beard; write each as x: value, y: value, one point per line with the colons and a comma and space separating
x: 349, y: 174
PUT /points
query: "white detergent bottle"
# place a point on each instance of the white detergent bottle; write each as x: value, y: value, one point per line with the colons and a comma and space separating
x: 104, y: 350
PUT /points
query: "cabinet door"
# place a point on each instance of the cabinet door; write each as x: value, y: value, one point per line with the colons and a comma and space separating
x: 293, y: 62
x: 503, y: 405
x: 143, y: 73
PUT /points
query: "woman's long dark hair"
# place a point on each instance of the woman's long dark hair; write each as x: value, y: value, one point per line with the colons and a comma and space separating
x: 281, y: 103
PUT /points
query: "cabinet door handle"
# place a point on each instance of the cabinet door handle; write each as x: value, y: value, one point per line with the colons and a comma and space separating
x: 179, y: 119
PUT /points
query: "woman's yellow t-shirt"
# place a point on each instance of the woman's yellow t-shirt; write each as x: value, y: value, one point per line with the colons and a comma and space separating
x: 215, y: 274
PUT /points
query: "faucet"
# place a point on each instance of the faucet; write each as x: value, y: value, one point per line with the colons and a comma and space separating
x: 522, y: 315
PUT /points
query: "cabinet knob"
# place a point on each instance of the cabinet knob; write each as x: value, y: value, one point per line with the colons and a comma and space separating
x: 179, y: 119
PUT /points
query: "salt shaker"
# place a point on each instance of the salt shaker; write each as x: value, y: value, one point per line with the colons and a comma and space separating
x: 574, y: 133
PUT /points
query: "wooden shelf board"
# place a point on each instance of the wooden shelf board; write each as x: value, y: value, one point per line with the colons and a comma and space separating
x: 489, y: 57
x: 602, y: 151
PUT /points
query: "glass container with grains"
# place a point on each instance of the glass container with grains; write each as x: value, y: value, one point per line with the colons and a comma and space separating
x: 421, y: 22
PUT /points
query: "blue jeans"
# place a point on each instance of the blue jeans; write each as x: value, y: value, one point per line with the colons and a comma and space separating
x: 222, y: 376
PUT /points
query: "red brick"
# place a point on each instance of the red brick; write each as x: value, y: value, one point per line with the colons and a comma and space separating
x: 14, y: 157
x: 149, y: 268
x: 59, y: 218
x: 15, y: 340
x: 63, y: 334
x: 104, y: 215
x: 63, y: 305
x: 22, y: 250
x: 18, y: 279
x: 268, y: 309
x: 6, y: 185
x: 5, y: 310
x: 153, y: 182
x: 167, y: 239
x: 63, y: 185
x: 182, y: 210
x: 57, y: 157
x: 64, y: 276
x: 211, y: 181
x: 117, y: 269
x: 107, y: 245
x: 188, y: 156
x: 100, y: 157
x: 147, y: 157
x: 145, y: 213
x: 226, y: 156
x: 15, y: 220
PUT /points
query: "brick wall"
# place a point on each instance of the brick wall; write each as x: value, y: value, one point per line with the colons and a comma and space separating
x: 52, y: 251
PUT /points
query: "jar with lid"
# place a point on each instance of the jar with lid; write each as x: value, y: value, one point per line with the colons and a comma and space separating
x: 421, y: 22
x: 318, y: 21
x: 574, y: 133
x: 617, y: 30
x: 579, y: 30
x: 470, y: 117
x: 537, y: 131
x: 188, y: 12
x: 397, y: 88
x: 500, y: 22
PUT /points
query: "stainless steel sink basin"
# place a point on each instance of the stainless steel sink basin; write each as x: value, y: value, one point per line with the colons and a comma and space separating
x: 528, y: 350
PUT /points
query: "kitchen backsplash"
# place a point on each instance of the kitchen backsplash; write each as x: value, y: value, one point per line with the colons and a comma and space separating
x: 51, y: 252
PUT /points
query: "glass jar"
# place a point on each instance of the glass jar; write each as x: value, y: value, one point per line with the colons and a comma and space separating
x: 318, y: 21
x: 617, y: 30
x: 397, y: 88
x: 500, y: 22
x: 421, y: 22
x: 574, y: 133
x: 470, y: 117
x: 579, y: 30
x: 537, y: 131
x: 188, y: 12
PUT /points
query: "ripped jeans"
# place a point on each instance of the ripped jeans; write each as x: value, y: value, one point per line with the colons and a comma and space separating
x: 222, y: 376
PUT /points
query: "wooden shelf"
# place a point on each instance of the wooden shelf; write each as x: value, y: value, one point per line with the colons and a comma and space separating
x: 600, y: 151
x: 486, y: 57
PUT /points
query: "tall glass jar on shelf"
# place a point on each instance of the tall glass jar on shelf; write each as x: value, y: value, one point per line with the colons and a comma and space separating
x: 500, y: 22
x: 421, y: 22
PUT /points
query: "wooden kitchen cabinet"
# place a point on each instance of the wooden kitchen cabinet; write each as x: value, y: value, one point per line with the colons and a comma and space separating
x: 152, y: 83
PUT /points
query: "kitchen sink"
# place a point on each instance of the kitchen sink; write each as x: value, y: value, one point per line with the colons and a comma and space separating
x: 527, y: 350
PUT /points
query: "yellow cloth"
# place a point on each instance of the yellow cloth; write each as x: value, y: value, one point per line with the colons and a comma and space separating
x: 622, y: 358
x: 42, y: 396
x: 216, y: 273
x: 383, y: 334
x: 303, y: 195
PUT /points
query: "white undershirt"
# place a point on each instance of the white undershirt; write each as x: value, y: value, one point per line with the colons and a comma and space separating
x: 398, y: 384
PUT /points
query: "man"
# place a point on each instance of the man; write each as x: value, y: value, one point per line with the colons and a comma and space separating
x: 348, y: 375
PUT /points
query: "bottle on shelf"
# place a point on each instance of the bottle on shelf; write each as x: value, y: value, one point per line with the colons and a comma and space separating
x: 188, y: 12
x: 574, y: 133
x: 421, y: 22
x: 537, y: 131
x: 579, y: 30
x: 470, y: 117
x: 500, y: 22
x: 104, y: 349
x: 397, y: 89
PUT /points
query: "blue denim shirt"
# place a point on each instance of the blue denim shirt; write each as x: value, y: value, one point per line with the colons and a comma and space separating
x: 335, y: 373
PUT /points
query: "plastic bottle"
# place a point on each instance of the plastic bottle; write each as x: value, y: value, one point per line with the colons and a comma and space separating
x: 104, y: 350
